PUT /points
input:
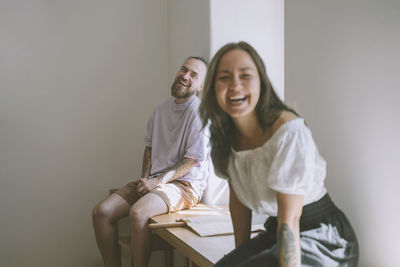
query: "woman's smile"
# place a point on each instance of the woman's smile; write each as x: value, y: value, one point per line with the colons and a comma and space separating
x: 237, y: 84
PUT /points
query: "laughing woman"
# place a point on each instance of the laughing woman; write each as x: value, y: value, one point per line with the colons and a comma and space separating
x: 268, y: 155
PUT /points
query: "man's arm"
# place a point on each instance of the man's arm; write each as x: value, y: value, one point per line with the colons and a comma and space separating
x: 181, y: 168
x: 146, y: 165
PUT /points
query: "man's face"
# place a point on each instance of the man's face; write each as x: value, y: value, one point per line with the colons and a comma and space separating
x: 189, y: 79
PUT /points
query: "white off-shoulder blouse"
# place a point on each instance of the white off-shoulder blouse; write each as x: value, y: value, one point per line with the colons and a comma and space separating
x: 289, y: 163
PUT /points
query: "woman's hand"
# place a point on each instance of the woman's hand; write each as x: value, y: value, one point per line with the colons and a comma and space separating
x: 289, y: 212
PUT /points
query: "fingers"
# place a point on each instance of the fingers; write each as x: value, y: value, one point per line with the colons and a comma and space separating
x: 139, y: 188
x: 142, y: 189
x: 145, y: 185
x: 141, y: 185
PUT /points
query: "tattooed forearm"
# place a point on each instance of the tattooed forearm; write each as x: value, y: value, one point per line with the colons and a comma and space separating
x: 181, y: 168
x: 146, y: 165
x: 287, y: 246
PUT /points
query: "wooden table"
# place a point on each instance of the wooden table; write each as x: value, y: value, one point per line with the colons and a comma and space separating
x: 201, y: 251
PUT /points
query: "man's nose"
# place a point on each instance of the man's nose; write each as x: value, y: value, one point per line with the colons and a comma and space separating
x: 185, y: 76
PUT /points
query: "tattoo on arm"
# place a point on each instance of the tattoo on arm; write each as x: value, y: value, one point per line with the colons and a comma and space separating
x: 181, y: 168
x: 287, y: 246
x: 146, y: 165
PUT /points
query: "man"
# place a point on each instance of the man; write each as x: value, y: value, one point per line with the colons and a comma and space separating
x: 174, y: 172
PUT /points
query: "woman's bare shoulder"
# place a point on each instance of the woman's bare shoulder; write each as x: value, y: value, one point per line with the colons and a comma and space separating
x: 283, y: 118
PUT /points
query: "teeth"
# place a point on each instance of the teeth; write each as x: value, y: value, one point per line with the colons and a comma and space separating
x: 183, y: 84
x: 236, y: 98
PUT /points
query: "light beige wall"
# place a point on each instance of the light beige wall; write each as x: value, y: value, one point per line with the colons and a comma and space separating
x: 78, y: 80
x: 342, y: 65
x: 188, y: 31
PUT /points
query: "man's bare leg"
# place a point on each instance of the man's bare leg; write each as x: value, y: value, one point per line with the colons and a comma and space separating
x: 147, y: 206
x: 105, y: 216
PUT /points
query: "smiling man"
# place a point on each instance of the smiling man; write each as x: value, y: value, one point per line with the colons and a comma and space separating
x: 175, y: 169
x: 188, y: 80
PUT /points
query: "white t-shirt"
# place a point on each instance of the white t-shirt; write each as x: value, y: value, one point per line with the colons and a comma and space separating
x: 174, y: 131
x: 289, y: 163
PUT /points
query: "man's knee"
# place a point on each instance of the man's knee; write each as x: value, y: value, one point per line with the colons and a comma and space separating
x: 138, y: 215
x: 101, y: 211
x: 98, y: 212
x: 149, y: 205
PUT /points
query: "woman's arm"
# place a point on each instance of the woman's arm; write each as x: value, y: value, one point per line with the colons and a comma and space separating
x: 289, y: 212
x: 241, y: 218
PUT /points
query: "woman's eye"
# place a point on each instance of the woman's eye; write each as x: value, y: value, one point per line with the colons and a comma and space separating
x: 246, y: 75
x: 223, y: 78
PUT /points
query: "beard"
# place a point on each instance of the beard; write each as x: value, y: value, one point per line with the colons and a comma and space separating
x: 179, y: 91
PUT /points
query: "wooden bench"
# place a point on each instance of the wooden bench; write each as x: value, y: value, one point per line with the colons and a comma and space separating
x: 200, y: 251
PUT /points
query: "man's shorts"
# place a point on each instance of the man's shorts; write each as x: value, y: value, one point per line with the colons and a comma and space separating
x: 178, y: 195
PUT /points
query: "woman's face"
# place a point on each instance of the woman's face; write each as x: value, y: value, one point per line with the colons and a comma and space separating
x: 237, y: 84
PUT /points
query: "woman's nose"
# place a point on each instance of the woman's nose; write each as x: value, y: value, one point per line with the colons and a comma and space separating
x: 235, y: 83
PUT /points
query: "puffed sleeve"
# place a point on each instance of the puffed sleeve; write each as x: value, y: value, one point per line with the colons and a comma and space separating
x: 294, y: 160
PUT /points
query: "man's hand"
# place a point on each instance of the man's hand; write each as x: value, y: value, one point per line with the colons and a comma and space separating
x: 147, y: 184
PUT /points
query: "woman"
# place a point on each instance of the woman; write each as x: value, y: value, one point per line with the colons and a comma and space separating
x: 273, y: 166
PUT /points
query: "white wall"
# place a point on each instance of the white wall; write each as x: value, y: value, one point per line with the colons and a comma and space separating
x: 342, y: 74
x: 261, y: 24
x: 77, y: 80
x: 258, y: 22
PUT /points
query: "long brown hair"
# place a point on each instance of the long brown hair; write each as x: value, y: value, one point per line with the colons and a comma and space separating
x: 221, y: 125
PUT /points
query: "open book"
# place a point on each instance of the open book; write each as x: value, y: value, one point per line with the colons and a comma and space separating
x: 219, y: 224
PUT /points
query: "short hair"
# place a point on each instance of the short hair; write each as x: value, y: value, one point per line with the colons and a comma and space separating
x: 197, y: 58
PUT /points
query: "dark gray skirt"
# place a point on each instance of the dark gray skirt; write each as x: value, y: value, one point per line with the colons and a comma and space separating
x: 326, y: 239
